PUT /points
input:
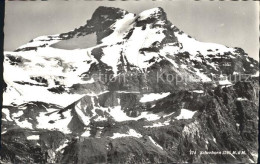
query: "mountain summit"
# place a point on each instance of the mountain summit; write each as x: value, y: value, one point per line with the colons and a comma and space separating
x: 128, y: 88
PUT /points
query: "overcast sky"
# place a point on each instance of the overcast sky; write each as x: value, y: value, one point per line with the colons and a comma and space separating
x: 235, y: 24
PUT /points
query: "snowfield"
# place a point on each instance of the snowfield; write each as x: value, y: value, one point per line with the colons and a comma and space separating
x: 193, y: 46
x: 59, y: 123
x: 25, y: 93
x: 120, y: 115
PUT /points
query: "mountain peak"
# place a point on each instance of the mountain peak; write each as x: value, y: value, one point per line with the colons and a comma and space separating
x: 104, y: 11
x: 154, y: 13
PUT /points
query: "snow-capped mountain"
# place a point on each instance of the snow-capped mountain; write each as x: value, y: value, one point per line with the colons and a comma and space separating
x: 133, y: 86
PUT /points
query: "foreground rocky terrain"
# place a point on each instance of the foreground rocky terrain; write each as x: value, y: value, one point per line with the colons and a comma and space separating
x: 128, y: 88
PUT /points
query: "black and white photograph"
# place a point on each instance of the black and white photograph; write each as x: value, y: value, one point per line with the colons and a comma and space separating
x: 130, y: 82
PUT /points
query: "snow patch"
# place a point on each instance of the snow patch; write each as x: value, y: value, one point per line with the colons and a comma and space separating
x: 159, y: 124
x: 203, y: 77
x: 86, y: 133
x: 183, y: 66
x: 119, y: 115
x: 242, y: 99
x: 130, y: 133
x: 24, y: 124
x: 185, y: 114
x: 111, y: 56
x: 62, y: 146
x: 153, y: 96
x: 3, y: 132
x: 18, y: 114
x: 198, y: 91
x: 156, y: 144
x: 256, y: 74
x: 33, y: 137
x: 85, y: 120
x: 224, y: 82
x: 7, y: 113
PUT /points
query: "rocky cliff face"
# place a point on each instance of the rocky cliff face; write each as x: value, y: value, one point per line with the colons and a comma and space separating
x: 128, y: 88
